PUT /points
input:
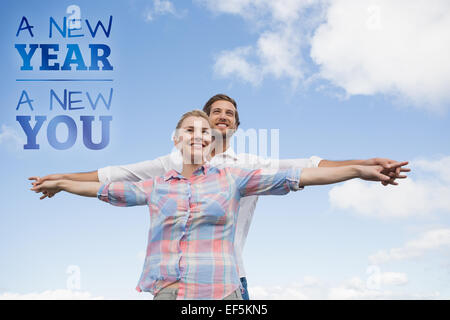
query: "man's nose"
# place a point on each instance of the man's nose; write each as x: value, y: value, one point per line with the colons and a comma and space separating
x: 223, y: 117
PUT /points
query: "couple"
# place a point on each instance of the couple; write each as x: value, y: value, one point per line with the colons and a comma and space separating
x: 202, y: 200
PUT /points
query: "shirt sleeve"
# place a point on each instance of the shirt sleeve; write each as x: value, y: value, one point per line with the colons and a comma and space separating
x: 266, y: 181
x: 250, y: 161
x: 134, y: 172
x: 284, y: 164
x: 126, y: 194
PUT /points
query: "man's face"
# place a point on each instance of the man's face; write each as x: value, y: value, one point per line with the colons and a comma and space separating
x: 194, y: 139
x: 222, y: 117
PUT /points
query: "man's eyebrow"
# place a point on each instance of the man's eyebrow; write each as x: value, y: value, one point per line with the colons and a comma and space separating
x: 219, y: 108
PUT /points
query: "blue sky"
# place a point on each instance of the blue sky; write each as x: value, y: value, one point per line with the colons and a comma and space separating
x: 293, y: 67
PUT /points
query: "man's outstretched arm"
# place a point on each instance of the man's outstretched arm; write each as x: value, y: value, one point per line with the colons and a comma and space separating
x: 392, y: 171
x: 79, y: 176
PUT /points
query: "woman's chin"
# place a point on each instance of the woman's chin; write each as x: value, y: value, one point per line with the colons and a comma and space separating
x: 196, y: 157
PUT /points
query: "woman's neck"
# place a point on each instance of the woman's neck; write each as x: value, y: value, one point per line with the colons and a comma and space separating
x: 188, y: 169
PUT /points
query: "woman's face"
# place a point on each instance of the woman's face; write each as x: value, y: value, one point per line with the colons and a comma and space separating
x: 193, y: 139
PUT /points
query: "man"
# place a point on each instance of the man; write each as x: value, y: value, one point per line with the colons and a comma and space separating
x: 224, y: 118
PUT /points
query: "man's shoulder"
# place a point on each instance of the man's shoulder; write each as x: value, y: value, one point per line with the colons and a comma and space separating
x: 243, y: 156
x: 171, y: 160
x: 166, y: 163
x: 253, y: 161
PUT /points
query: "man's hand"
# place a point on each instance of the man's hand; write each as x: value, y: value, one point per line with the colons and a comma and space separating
x: 49, y: 188
x: 38, y: 182
x: 390, y: 168
x: 386, y: 174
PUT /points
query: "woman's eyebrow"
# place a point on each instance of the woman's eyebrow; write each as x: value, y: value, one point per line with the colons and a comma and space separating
x: 192, y: 127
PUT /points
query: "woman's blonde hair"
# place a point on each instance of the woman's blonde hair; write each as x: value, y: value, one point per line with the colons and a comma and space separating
x: 193, y: 113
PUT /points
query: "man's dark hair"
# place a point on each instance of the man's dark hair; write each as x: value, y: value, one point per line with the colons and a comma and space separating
x: 219, y: 97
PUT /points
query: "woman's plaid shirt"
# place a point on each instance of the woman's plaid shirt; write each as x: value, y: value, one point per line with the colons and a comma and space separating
x: 192, y: 224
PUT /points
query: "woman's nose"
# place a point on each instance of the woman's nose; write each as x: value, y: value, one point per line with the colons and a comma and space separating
x: 198, y: 136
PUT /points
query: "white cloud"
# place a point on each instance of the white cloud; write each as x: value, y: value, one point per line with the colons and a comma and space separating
x: 412, y: 197
x: 9, y: 136
x: 372, y: 287
x: 426, y: 296
x: 59, y: 294
x: 438, y: 168
x: 398, y: 48
x: 392, y: 278
x: 355, y: 288
x: 233, y: 63
x: 309, y: 288
x: 277, y: 52
x: 277, y: 293
x: 391, y: 47
x: 240, y: 7
x: 159, y: 8
x: 286, y: 11
x: 309, y: 281
x: 430, y: 240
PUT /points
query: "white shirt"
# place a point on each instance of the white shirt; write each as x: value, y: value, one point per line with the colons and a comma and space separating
x: 174, y: 161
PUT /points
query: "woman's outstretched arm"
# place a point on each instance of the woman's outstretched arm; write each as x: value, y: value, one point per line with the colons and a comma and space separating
x: 322, y: 175
x: 81, y: 188
x: 272, y: 182
x: 123, y: 194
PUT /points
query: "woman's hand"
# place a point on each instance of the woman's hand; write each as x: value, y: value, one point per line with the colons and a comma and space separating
x: 39, y: 180
x: 386, y: 174
x: 372, y: 173
x: 48, y: 188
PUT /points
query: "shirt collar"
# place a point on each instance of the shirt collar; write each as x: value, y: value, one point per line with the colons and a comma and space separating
x: 204, y: 169
x: 177, y: 157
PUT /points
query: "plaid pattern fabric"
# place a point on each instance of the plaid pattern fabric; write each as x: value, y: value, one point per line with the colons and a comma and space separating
x: 192, y: 225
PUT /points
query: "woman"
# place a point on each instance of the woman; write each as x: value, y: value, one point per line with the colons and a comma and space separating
x: 190, y: 251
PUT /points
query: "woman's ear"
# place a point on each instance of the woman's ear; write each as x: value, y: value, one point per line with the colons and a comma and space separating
x: 177, y: 141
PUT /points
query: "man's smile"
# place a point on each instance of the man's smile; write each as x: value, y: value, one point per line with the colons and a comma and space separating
x: 222, y: 125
